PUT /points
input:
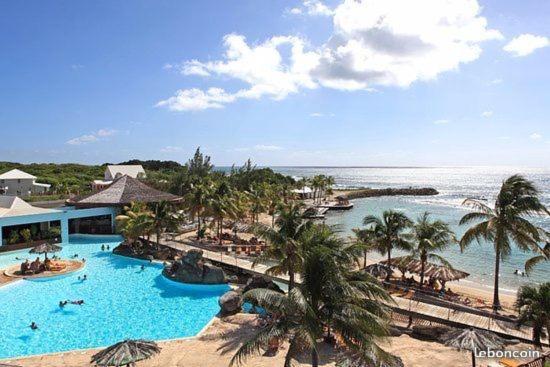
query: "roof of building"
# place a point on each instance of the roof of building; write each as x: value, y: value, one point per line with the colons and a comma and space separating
x: 303, y: 190
x: 123, y: 191
x: 16, y: 174
x: 132, y: 170
x: 12, y: 206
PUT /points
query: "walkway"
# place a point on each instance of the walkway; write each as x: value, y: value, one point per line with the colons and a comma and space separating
x: 438, y: 314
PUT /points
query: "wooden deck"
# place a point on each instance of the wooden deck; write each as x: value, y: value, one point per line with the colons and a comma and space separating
x: 409, y: 307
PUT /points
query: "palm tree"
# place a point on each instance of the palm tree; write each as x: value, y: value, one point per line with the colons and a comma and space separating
x: 283, y: 242
x: 429, y: 236
x: 330, y: 299
x: 389, y: 232
x: 505, y: 222
x: 222, y: 205
x: 197, y: 201
x: 366, y: 239
x: 135, y: 222
x: 163, y: 217
x: 533, y: 307
x: 544, y: 255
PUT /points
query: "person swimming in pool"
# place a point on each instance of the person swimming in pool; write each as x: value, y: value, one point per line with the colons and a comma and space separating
x: 63, y: 303
x: 33, y: 326
x: 142, y: 267
x: 102, y: 247
x: 108, y: 247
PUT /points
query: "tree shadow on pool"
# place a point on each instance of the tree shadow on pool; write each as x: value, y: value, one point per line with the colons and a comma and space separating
x: 119, y: 262
x: 173, y: 291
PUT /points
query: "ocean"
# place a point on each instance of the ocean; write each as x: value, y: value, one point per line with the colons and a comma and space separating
x: 454, y: 185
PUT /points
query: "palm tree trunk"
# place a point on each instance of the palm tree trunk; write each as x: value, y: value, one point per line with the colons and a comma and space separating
x: 537, y: 331
x: 473, y: 358
x: 158, y: 239
x: 314, y: 358
x: 365, y: 259
x: 422, y: 269
x: 290, y: 280
x: 389, y: 264
x: 496, y: 300
x: 199, y: 226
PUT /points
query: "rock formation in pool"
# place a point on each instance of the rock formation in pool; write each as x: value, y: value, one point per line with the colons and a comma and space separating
x: 142, y: 250
x: 191, y: 268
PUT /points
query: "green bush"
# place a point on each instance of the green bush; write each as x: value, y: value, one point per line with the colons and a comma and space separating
x: 26, y: 235
x: 13, y: 238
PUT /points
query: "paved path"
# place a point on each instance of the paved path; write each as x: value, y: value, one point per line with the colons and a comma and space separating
x: 419, y: 309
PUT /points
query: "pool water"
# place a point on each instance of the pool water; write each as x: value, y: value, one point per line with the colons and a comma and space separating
x: 120, y: 301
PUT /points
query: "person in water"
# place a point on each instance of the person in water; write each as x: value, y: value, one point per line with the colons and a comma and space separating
x: 142, y: 267
x: 63, y: 303
x: 102, y: 247
x: 33, y: 325
x: 108, y: 247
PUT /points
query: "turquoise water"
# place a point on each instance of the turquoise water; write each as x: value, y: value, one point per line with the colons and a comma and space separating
x: 121, y: 301
x: 478, y: 259
x: 454, y: 185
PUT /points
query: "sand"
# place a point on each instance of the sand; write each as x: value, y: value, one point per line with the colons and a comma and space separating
x: 216, y: 347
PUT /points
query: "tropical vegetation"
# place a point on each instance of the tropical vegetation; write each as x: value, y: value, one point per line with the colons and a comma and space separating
x: 505, y: 223
x: 389, y: 232
x: 533, y: 307
x: 331, y: 303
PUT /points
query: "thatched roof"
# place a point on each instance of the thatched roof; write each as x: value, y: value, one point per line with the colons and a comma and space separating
x: 124, y: 191
x: 126, y: 352
x: 45, y: 248
x: 472, y: 339
x: 431, y: 270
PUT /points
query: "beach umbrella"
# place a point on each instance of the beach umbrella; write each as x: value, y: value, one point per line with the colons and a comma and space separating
x: 45, y: 248
x: 446, y: 274
x: 378, y: 270
x: 473, y: 339
x: 126, y: 353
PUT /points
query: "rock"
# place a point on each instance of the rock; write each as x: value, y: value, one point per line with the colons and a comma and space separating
x: 191, y: 268
x: 230, y: 303
x: 259, y: 281
x: 426, y: 332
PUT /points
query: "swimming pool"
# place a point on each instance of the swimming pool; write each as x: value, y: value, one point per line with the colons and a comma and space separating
x: 120, y: 301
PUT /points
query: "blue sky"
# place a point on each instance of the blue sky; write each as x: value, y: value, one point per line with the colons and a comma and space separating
x: 295, y: 83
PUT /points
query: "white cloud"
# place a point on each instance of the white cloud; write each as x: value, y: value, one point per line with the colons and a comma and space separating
x: 316, y: 7
x: 83, y: 139
x: 195, y: 99
x: 92, y: 138
x: 526, y: 44
x: 316, y: 114
x: 171, y: 149
x: 313, y: 8
x: 535, y: 136
x: 295, y: 11
x: 106, y: 132
x: 496, y: 81
x: 487, y: 114
x: 397, y: 42
x: 374, y: 43
x: 267, y: 148
x: 441, y: 122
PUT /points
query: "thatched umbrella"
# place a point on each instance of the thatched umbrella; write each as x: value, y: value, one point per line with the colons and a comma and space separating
x: 44, y: 248
x: 446, y: 274
x: 126, y: 353
x: 473, y: 339
x: 378, y: 270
